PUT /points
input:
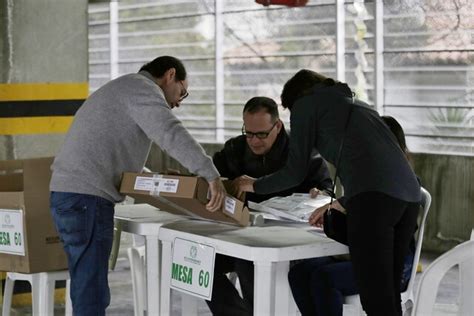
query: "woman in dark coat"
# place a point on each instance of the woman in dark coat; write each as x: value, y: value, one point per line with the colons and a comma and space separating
x: 381, y: 192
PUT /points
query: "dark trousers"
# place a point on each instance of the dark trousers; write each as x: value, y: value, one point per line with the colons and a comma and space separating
x: 226, y: 300
x: 320, y: 284
x: 379, y: 231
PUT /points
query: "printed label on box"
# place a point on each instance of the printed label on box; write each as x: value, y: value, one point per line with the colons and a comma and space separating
x: 192, y: 268
x: 156, y: 185
x: 229, y: 205
x: 166, y: 185
x: 11, y: 232
x: 144, y: 184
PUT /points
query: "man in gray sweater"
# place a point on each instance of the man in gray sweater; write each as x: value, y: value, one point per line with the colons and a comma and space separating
x: 112, y: 133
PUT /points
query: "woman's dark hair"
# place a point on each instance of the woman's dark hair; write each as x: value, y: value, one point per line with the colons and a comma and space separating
x: 397, y: 130
x: 257, y: 104
x: 160, y: 65
x: 301, y: 84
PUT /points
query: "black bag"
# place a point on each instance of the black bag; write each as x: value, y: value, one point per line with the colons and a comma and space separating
x: 335, y: 225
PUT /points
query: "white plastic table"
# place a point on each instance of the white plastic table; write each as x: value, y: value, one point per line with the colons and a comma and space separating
x: 146, y: 220
x: 271, y: 248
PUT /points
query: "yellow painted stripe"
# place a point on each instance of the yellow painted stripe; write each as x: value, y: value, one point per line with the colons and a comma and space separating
x: 44, y: 91
x: 24, y: 299
x: 35, y: 125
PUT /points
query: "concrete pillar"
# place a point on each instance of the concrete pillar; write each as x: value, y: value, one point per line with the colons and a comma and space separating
x: 43, y: 73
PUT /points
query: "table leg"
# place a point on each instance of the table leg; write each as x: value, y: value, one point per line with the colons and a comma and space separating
x: 263, y: 285
x: 165, y: 279
x: 284, y: 303
x: 152, y: 275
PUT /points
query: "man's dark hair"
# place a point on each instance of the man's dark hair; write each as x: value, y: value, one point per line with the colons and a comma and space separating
x: 257, y: 104
x: 160, y: 65
x: 301, y: 84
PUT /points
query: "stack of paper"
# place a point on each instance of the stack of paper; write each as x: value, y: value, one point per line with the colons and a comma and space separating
x: 297, y: 207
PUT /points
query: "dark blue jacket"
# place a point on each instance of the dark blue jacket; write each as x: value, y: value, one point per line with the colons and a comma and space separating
x: 237, y: 159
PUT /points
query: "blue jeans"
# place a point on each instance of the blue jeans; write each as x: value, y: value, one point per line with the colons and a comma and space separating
x: 85, y: 224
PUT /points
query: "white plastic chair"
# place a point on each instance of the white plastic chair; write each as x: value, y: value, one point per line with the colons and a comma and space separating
x: 462, y: 255
x: 42, y: 291
x: 352, y: 305
x: 136, y: 256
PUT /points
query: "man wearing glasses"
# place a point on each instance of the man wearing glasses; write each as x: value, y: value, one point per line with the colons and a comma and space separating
x: 112, y: 133
x: 261, y: 150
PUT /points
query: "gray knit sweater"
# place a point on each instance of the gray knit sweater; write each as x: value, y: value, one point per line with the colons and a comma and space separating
x: 112, y: 133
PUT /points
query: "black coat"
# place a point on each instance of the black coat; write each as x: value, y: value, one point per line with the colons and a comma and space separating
x: 237, y: 159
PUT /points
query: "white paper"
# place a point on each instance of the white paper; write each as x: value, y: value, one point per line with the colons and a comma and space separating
x: 297, y: 207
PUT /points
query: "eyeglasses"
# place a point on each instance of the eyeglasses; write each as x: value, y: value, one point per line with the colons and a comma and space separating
x: 184, y: 94
x: 259, y: 135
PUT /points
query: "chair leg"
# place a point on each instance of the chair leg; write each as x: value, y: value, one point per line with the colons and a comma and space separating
x: 67, y: 298
x: 7, y: 296
x: 47, y: 283
x: 141, y: 278
x: 407, y: 308
x: 466, y: 289
x: 35, y: 294
x: 134, y: 260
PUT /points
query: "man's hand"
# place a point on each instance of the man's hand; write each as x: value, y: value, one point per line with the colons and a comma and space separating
x: 243, y: 184
x: 317, y: 218
x: 218, y: 194
x: 313, y: 193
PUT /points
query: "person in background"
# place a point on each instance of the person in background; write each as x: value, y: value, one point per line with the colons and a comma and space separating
x: 112, y: 133
x: 261, y: 149
x: 382, y: 193
x: 320, y: 284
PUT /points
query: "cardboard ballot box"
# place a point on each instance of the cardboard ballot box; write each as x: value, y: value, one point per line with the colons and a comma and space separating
x: 184, y: 195
x: 29, y: 242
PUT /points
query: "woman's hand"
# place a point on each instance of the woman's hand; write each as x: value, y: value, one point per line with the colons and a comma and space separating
x: 243, y: 184
x: 337, y: 206
x: 317, y: 217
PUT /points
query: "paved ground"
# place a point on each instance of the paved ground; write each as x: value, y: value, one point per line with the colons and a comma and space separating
x: 122, y: 297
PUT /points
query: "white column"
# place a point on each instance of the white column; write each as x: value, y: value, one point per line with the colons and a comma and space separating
x: 113, y: 30
x: 340, y: 41
x: 219, y: 64
x: 379, y: 80
x: 153, y: 264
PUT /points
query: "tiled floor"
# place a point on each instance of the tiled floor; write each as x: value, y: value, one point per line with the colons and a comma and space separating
x: 122, y: 297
